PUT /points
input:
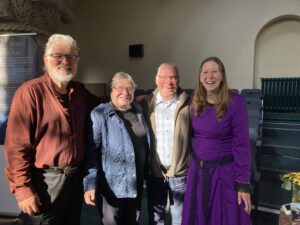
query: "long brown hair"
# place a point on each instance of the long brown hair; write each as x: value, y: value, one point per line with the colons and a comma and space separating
x: 200, y: 96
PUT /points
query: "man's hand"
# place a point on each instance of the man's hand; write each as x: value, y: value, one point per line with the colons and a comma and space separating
x: 89, y: 197
x: 30, y: 205
x: 245, y: 197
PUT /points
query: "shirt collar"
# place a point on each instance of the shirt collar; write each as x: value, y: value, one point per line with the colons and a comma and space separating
x: 159, y: 99
x: 70, y: 86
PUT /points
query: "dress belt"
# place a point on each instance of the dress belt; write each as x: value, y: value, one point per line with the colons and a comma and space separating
x: 206, y: 182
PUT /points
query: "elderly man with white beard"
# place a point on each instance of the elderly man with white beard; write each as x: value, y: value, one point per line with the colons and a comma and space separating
x: 44, y: 144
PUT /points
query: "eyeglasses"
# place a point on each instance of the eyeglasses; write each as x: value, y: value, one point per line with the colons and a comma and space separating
x: 168, y: 77
x: 59, y: 57
x: 121, y: 89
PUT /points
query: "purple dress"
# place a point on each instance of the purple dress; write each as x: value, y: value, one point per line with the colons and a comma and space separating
x: 217, y: 140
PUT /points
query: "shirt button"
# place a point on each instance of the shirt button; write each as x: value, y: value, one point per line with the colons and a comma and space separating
x: 134, y: 195
x: 133, y: 175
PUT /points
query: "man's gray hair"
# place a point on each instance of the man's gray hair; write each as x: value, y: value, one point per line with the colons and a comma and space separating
x: 122, y: 75
x: 58, y: 38
x: 172, y: 65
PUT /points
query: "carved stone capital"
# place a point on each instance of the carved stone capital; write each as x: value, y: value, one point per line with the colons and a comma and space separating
x: 5, y: 11
x: 37, y: 16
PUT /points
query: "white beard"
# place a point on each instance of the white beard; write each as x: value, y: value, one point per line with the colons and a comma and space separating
x: 64, y: 78
x: 61, y: 78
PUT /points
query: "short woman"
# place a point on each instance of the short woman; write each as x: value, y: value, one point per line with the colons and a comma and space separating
x: 116, y: 159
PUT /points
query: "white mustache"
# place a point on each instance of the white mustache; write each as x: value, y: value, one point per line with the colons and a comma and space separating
x: 64, y: 67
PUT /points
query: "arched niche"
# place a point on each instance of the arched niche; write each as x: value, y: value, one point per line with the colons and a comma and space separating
x: 277, y: 49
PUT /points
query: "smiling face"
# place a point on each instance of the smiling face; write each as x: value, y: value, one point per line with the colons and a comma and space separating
x: 122, y: 94
x: 211, y: 77
x: 167, y: 81
x: 61, y: 62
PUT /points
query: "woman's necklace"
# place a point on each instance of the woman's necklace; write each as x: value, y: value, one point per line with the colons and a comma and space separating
x: 211, y: 99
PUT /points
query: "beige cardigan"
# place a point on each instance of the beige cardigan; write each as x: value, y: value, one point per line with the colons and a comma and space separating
x: 182, y: 135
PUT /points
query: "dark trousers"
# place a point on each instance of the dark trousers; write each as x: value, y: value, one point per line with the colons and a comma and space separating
x: 120, y: 211
x: 159, y: 193
x: 61, y: 196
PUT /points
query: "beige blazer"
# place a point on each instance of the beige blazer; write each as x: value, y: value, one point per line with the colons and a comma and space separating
x: 182, y: 135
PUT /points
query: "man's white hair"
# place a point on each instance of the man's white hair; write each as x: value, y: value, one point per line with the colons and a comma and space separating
x: 61, y: 38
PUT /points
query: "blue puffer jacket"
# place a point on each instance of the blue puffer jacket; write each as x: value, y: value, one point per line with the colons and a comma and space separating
x: 110, y: 152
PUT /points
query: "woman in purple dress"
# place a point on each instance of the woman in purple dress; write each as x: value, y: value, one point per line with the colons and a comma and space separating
x: 218, y: 183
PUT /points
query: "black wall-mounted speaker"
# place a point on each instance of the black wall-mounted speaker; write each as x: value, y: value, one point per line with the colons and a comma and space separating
x: 136, y: 51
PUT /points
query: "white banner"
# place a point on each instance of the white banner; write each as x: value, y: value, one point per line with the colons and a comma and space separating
x: 18, y: 63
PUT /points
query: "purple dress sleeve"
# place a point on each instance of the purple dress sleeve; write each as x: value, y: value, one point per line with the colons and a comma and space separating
x: 240, y: 139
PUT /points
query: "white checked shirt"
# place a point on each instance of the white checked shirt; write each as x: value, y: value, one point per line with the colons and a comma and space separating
x: 164, y: 127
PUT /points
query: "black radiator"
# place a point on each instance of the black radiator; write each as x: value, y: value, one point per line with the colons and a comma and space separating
x: 281, y: 94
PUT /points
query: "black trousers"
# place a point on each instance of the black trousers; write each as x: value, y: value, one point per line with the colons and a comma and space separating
x: 61, y: 196
x: 124, y: 211
x: 119, y: 211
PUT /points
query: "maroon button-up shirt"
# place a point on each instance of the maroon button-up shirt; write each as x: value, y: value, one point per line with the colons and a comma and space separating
x: 42, y: 132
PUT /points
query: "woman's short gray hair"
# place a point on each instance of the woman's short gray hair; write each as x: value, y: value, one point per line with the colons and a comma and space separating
x: 120, y: 76
x: 58, y: 38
